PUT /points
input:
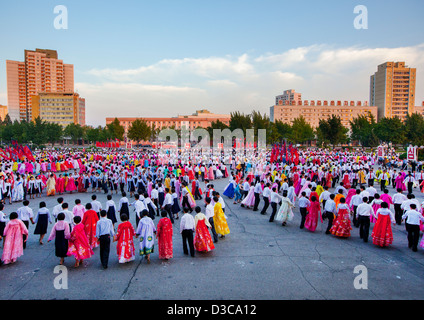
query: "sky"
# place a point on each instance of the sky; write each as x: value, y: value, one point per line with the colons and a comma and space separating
x: 136, y: 58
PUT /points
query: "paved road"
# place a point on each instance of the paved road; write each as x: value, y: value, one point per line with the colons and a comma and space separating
x: 258, y: 260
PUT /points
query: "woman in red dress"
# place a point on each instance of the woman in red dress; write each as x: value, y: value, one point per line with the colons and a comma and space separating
x: 125, y: 237
x: 164, y: 234
x: 382, y: 234
x: 202, y: 239
x: 78, y: 243
x: 89, y: 222
x: 60, y: 184
x: 314, y: 210
x: 341, y: 225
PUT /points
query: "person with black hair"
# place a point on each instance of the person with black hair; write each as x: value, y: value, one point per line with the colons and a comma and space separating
x: 146, y: 230
x: 125, y: 238
x: 42, y: 219
x: 15, y: 234
x: 187, y: 227
x: 412, y: 219
x: 363, y: 214
x: 26, y: 215
x: 79, y: 245
x: 382, y: 233
x: 104, y: 232
x: 164, y: 234
x: 61, y: 233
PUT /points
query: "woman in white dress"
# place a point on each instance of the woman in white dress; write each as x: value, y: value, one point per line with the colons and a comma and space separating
x: 18, y: 190
x: 285, y: 213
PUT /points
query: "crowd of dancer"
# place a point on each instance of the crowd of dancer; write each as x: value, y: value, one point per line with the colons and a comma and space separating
x: 349, y: 189
x: 156, y: 185
x: 338, y: 186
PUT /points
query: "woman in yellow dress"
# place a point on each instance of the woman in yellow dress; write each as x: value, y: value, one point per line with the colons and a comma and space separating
x: 51, y: 185
x: 219, y: 220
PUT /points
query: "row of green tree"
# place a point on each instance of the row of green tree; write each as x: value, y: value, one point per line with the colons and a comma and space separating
x: 364, y: 129
x: 40, y: 132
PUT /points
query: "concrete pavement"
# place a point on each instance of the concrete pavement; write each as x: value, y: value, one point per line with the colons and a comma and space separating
x: 258, y: 260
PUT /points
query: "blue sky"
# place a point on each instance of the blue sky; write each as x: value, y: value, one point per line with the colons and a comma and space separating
x: 163, y: 58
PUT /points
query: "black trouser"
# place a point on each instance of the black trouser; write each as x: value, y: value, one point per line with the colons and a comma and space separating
x: 244, y: 194
x: 104, y: 249
x: 354, y: 183
x: 185, y: 203
x: 168, y: 209
x: 26, y: 223
x: 303, y: 213
x: 197, y: 195
x: 155, y: 201
x: 257, y: 200
x: 266, y: 199
x: 370, y: 182
x: 398, y: 213
x: 413, y: 235
x: 382, y: 185
x: 355, y: 220
x: 188, y: 237
x: 330, y: 217
x: 274, y: 211
x: 214, y: 234
x: 364, y: 227
x: 410, y: 185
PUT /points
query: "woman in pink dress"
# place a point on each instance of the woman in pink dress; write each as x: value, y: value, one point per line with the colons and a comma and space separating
x: 70, y: 184
x: 13, y: 243
x: 314, y: 210
x: 249, y: 201
x: 211, y: 175
x: 375, y: 204
x: 78, y: 243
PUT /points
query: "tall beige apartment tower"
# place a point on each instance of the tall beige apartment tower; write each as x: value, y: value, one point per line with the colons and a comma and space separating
x: 42, y: 71
x: 392, y: 90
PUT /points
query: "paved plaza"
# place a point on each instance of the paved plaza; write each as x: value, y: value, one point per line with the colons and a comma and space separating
x: 258, y: 260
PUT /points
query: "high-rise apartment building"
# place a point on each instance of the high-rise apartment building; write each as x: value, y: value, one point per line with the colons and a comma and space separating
x: 288, y: 95
x: 60, y: 108
x: 392, y: 90
x: 41, y: 71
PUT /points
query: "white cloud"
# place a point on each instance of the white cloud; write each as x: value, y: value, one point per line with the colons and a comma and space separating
x: 224, y: 84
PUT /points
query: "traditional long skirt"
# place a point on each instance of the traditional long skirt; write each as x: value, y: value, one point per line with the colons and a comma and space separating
x: 202, y: 239
x: 61, y: 244
x: 341, y: 225
x: 42, y: 224
x: 382, y: 234
x: 111, y: 214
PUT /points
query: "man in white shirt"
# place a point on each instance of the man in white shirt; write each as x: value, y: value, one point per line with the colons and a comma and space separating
x: 413, y: 218
x: 355, y: 202
x: 371, y: 191
x: 25, y: 214
x: 138, y: 207
x: 96, y: 205
x: 330, y: 212
x: 257, y: 190
x: 363, y: 213
x: 398, y: 198
x: 266, y: 195
x: 57, y: 208
x: 167, y: 204
x: 303, y: 205
x: 187, y: 227
x: 325, y: 195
